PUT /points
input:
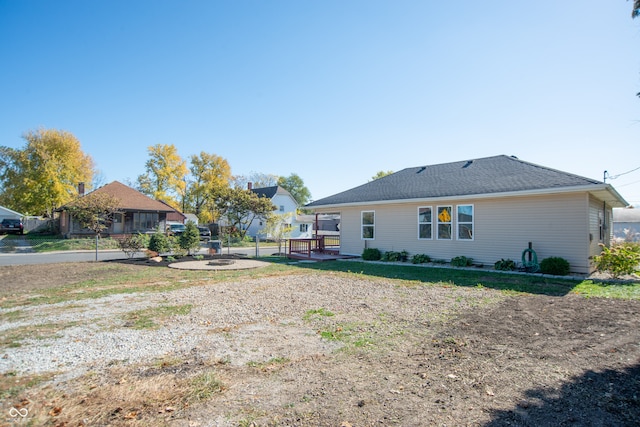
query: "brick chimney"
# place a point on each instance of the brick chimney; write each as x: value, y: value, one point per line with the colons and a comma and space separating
x: 81, y: 189
x: 249, y: 185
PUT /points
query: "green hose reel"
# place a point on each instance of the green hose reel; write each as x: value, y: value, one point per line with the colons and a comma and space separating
x: 530, y: 265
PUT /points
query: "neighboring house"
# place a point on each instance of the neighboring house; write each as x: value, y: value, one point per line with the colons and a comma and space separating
x: 626, y: 224
x: 191, y: 217
x: 140, y: 213
x: 175, y: 215
x: 6, y: 213
x: 309, y: 226
x: 486, y: 209
x: 283, y: 201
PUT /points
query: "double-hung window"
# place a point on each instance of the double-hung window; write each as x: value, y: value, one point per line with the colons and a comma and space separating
x: 465, y: 222
x: 444, y: 222
x: 368, y: 223
x: 425, y: 223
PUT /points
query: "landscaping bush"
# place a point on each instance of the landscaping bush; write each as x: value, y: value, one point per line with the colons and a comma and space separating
x: 505, y: 265
x: 420, y: 258
x: 461, y: 261
x: 371, y: 254
x: 391, y: 256
x: 619, y: 259
x: 189, y: 240
x: 133, y: 244
x: 159, y: 242
x: 554, y: 265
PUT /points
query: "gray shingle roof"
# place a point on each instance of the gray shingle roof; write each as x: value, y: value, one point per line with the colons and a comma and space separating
x: 267, y: 192
x: 270, y: 192
x: 489, y: 175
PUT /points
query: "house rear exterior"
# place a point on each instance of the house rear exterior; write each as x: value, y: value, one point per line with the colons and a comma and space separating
x: 486, y: 209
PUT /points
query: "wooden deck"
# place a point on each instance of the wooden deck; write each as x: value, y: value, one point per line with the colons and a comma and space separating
x: 320, y: 248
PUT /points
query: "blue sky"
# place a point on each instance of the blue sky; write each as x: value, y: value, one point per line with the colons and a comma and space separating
x: 333, y: 91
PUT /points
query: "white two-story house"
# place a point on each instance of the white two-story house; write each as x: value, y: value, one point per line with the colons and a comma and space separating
x: 284, y: 203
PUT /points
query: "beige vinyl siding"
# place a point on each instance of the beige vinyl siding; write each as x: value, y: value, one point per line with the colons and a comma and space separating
x: 351, y: 242
x: 556, y: 225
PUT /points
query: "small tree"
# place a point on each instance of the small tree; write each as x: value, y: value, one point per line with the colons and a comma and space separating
x: 95, y: 211
x: 240, y: 207
x: 159, y: 242
x: 190, y: 239
x: 278, y: 228
x: 132, y: 244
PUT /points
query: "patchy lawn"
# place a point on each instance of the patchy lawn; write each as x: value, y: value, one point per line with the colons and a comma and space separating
x: 308, y: 345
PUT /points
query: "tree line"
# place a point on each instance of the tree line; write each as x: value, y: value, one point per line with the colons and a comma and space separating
x: 44, y: 175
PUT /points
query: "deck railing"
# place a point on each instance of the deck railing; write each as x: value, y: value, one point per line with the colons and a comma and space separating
x: 320, y: 244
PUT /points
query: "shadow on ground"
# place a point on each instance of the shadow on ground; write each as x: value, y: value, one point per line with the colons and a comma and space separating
x: 529, y: 283
x: 607, y: 398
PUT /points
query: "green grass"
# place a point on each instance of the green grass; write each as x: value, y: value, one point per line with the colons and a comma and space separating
x: 411, y: 275
x: 115, y: 280
x: 204, y: 386
x: 319, y: 312
x: 12, y: 316
x: 13, y: 337
x: 147, y: 318
x: 13, y: 385
x: 590, y: 289
x: 273, y: 362
x: 50, y: 244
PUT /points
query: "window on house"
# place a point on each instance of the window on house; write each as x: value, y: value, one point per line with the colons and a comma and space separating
x: 444, y: 222
x: 281, y: 208
x: 425, y: 223
x: 368, y: 225
x: 465, y: 222
x: 304, y: 228
x: 145, y: 220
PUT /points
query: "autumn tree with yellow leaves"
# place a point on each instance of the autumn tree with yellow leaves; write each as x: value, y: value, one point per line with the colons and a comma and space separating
x: 165, y: 176
x: 44, y: 175
x: 209, y: 173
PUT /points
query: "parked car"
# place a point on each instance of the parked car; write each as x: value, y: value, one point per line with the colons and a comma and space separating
x: 175, y: 229
x: 205, y: 233
x: 14, y: 226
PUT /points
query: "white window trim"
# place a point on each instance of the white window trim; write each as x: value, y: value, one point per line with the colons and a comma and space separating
x: 422, y: 223
x: 473, y: 220
x: 362, y: 225
x: 450, y: 207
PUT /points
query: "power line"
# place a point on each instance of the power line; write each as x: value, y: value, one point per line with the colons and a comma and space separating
x: 629, y: 183
x: 606, y: 174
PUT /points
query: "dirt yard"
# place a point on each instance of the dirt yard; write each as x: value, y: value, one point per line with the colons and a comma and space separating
x: 324, y: 349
